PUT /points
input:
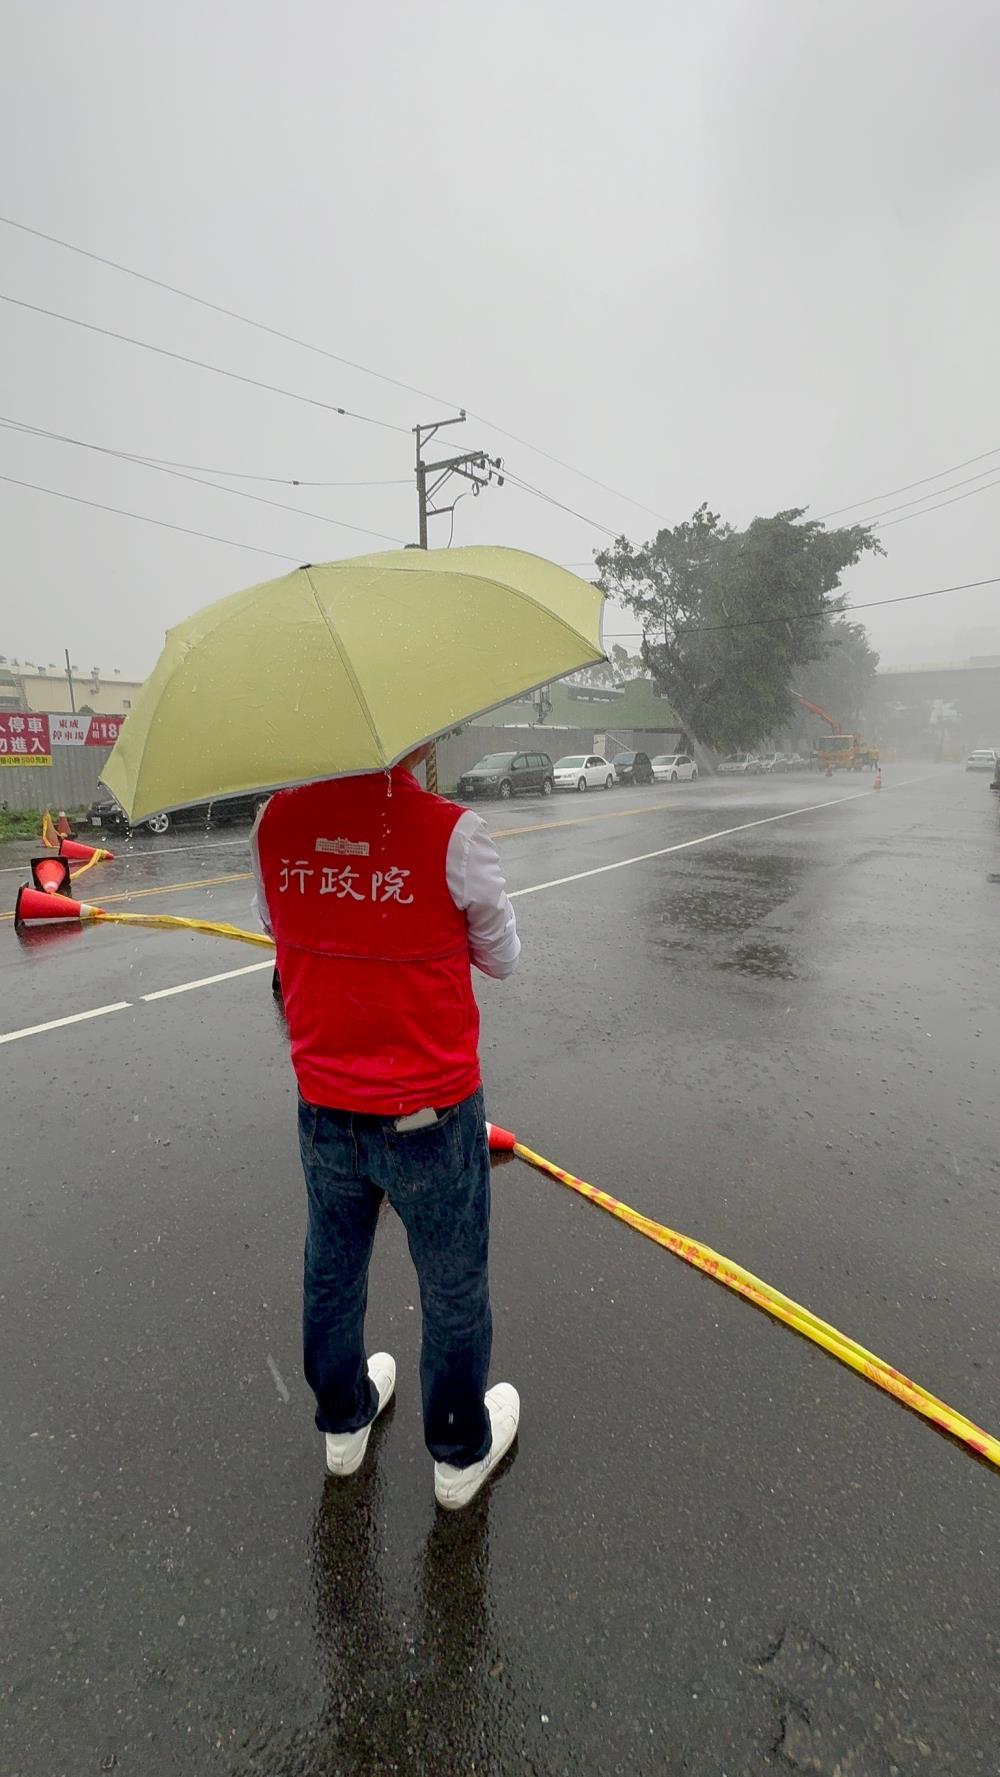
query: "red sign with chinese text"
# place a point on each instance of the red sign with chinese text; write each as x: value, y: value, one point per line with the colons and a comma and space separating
x: 24, y: 738
x: 85, y: 730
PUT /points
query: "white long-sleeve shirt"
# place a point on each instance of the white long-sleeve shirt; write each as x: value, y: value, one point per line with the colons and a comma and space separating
x: 476, y: 884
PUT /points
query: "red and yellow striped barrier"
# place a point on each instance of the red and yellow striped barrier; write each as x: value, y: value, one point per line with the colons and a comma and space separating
x: 761, y: 1294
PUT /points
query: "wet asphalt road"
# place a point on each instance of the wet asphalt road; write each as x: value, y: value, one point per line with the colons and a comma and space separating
x: 715, y: 1552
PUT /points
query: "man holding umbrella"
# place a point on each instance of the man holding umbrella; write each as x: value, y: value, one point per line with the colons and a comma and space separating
x: 380, y: 897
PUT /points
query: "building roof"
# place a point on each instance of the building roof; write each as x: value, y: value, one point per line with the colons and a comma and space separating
x: 636, y: 704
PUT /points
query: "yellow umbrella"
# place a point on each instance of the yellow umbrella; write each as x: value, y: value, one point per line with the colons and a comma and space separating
x: 345, y: 668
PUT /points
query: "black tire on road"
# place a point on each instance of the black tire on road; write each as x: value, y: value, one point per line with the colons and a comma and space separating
x: 609, y: 783
x: 159, y: 823
x: 546, y: 786
x: 694, y: 773
x: 582, y: 785
x: 506, y: 789
x: 673, y: 777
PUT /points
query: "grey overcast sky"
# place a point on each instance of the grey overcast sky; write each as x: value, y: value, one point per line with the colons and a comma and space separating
x: 743, y: 251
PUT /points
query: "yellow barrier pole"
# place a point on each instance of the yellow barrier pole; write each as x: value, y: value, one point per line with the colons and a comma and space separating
x: 873, y: 1368
x: 173, y: 922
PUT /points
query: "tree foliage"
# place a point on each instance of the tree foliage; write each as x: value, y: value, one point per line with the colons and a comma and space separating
x: 842, y: 680
x: 619, y: 666
x: 730, y: 617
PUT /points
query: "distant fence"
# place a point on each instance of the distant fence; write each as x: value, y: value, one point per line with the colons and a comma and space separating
x: 53, y: 758
x: 71, y: 779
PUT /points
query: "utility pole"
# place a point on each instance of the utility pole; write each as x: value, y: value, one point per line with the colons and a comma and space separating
x: 474, y: 466
x: 543, y: 703
x: 69, y: 681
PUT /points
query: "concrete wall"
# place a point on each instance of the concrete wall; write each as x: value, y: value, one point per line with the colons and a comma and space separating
x: 968, y: 708
x: 458, y: 752
x: 70, y: 780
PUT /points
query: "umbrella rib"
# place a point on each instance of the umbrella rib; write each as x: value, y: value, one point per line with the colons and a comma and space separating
x: 346, y: 663
x: 528, y: 599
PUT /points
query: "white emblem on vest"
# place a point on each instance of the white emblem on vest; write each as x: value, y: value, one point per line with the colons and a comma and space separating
x: 345, y: 848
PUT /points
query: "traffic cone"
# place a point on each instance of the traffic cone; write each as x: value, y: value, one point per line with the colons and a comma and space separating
x: 32, y: 903
x: 51, y: 876
x: 502, y: 1141
x: 63, y: 827
x: 49, y: 835
x: 82, y: 854
x: 877, y: 785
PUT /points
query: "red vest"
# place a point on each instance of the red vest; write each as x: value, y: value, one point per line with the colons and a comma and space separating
x: 372, y: 951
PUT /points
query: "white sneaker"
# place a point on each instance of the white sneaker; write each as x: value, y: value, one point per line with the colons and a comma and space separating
x: 345, y: 1450
x: 455, y: 1487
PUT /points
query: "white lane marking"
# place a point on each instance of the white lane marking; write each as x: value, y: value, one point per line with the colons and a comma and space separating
x: 34, y: 1030
x: 279, y: 1380
x: 164, y: 993
x: 703, y: 839
x: 534, y: 889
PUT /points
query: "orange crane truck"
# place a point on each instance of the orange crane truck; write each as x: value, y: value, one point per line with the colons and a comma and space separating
x: 840, y: 751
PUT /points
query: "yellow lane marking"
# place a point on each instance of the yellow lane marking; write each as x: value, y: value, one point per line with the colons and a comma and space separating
x: 172, y: 888
x: 167, y: 888
x: 582, y: 820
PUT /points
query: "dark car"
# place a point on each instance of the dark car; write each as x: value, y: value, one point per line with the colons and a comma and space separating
x: 633, y: 768
x: 109, y: 815
x: 508, y: 774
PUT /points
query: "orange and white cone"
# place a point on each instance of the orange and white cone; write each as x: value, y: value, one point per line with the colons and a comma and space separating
x: 877, y: 785
x: 78, y: 853
x: 51, y: 876
x: 35, y: 903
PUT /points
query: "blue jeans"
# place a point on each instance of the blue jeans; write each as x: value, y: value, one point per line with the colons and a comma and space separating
x: 438, y: 1181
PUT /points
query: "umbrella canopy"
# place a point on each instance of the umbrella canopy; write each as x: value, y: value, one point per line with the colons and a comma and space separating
x: 345, y: 668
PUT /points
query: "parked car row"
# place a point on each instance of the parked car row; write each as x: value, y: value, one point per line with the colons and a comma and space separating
x: 763, y: 764
x: 109, y: 815
x: 514, y: 774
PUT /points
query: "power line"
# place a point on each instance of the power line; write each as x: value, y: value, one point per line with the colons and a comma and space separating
x: 161, y: 466
x: 308, y: 346
x: 547, y: 454
x: 179, y: 470
x: 823, y: 611
x: 200, y: 364
x: 528, y: 488
x: 922, y: 482
x: 877, y: 517
x: 143, y: 517
x: 219, y: 308
x: 395, y: 382
x: 237, y: 493
x: 132, y: 456
x: 879, y: 525
x: 273, y: 480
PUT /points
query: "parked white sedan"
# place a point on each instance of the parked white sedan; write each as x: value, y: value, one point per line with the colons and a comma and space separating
x: 583, y: 771
x: 669, y: 768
